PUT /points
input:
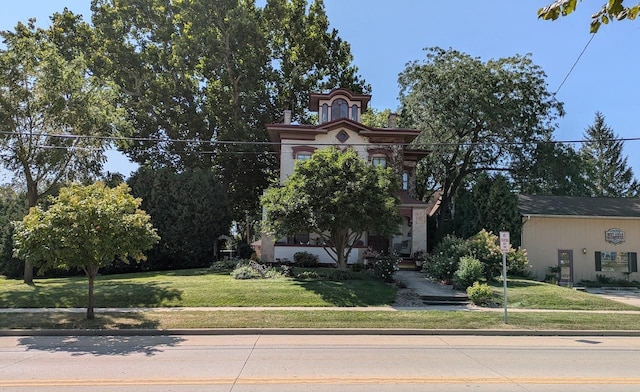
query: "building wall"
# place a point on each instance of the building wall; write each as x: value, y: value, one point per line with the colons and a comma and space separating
x: 543, y: 237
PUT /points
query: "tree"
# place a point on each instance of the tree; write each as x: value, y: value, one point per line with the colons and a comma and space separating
x: 474, y: 116
x: 190, y: 211
x: 337, y: 196
x: 554, y: 169
x: 607, y: 171
x: 490, y: 203
x: 55, y: 119
x: 12, y: 208
x: 612, y: 9
x: 85, y: 227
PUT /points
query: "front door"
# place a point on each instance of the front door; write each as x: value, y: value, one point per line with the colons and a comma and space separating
x: 565, y: 265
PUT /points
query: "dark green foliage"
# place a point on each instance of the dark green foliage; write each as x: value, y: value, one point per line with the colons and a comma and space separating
x: 188, y: 209
x: 12, y: 208
x: 607, y: 170
x: 443, y: 261
x: 489, y: 202
x: 305, y: 260
x: 470, y: 270
x: 244, y: 250
x: 226, y: 265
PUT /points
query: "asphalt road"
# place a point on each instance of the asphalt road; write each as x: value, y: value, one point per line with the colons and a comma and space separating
x: 319, y: 363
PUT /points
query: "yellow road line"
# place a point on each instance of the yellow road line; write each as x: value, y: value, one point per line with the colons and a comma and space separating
x: 325, y: 381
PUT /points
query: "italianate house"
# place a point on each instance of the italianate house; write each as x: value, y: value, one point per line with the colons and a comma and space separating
x: 339, y: 115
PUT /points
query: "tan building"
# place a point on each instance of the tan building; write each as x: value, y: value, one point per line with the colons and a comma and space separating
x: 339, y: 115
x: 581, y: 237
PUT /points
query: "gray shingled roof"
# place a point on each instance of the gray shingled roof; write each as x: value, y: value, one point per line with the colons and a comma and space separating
x: 578, y: 206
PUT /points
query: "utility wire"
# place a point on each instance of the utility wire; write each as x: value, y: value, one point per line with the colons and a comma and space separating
x: 574, y: 64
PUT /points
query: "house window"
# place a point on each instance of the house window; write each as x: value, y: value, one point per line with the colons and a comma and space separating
x: 303, y: 156
x: 339, y: 109
x: 354, y: 113
x: 379, y: 161
x: 617, y: 261
x: 405, y: 181
x: 324, y: 113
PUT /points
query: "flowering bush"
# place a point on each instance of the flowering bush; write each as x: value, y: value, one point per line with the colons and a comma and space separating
x: 443, y: 261
x: 384, y: 267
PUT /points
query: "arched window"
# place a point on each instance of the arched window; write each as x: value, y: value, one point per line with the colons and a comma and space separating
x: 354, y: 113
x: 324, y: 113
x: 339, y: 109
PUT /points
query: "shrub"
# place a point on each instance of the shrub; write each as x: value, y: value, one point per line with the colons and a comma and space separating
x: 484, y: 247
x: 517, y: 262
x: 443, y: 261
x: 480, y: 294
x: 384, y: 268
x: 225, y: 265
x: 305, y: 260
x: 469, y: 271
x: 245, y: 272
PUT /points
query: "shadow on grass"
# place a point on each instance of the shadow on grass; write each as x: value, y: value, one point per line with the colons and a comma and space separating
x: 100, y: 345
x: 73, y: 293
x: 349, y: 293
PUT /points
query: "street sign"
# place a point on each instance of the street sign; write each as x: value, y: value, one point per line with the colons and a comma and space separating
x: 505, y: 242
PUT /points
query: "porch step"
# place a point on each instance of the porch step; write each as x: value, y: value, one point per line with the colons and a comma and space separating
x: 460, y: 300
x: 408, y: 265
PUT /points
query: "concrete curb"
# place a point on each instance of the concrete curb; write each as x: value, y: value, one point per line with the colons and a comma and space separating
x: 312, y: 331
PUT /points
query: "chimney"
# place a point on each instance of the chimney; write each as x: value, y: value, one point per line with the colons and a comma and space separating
x: 393, y: 120
x: 287, y: 116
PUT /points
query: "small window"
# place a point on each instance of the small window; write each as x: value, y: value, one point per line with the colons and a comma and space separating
x: 379, y: 161
x: 339, y: 109
x: 405, y: 181
x: 303, y: 156
x: 324, y: 113
x: 354, y: 113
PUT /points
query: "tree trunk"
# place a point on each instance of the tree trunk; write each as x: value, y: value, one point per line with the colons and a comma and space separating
x: 32, y: 200
x: 91, y: 271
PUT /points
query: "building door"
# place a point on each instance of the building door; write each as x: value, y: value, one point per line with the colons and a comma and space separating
x: 379, y: 243
x: 565, y: 265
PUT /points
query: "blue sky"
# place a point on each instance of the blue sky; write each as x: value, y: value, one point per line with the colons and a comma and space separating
x: 385, y: 35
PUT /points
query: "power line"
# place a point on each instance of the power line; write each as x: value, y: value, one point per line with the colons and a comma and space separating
x: 574, y: 64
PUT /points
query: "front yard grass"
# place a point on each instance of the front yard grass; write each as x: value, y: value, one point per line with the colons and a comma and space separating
x: 200, y: 288
x: 530, y: 294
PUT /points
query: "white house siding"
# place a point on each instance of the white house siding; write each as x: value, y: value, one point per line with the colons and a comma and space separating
x: 543, y: 237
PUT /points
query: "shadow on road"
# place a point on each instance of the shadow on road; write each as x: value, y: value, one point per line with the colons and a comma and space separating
x: 101, y: 345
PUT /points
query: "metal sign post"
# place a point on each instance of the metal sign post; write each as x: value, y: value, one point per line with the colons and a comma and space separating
x: 505, y: 245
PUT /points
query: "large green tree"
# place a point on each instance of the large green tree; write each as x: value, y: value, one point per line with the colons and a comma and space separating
x: 610, y: 10
x: 475, y: 116
x: 554, y: 169
x: 55, y: 118
x: 201, y: 79
x: 190, y: 211
x: 85, y: 227
x: 607, y: 171
x: 488, y: 202
x: 336, y: 195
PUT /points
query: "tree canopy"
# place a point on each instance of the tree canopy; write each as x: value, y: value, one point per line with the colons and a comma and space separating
x: 607, y: 171
x: 190, y: 210
x: 55, y: 118
x: 336, y: 195
x: 475, y: 116
x: 610, y: 10
x: 85, y: 227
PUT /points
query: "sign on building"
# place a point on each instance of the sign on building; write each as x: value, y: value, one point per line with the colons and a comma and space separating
x: 614, y: 236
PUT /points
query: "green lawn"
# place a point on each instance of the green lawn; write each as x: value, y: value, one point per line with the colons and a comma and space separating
x: 193, y: 288
x: 200, y: 288
x: 528, y: 294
